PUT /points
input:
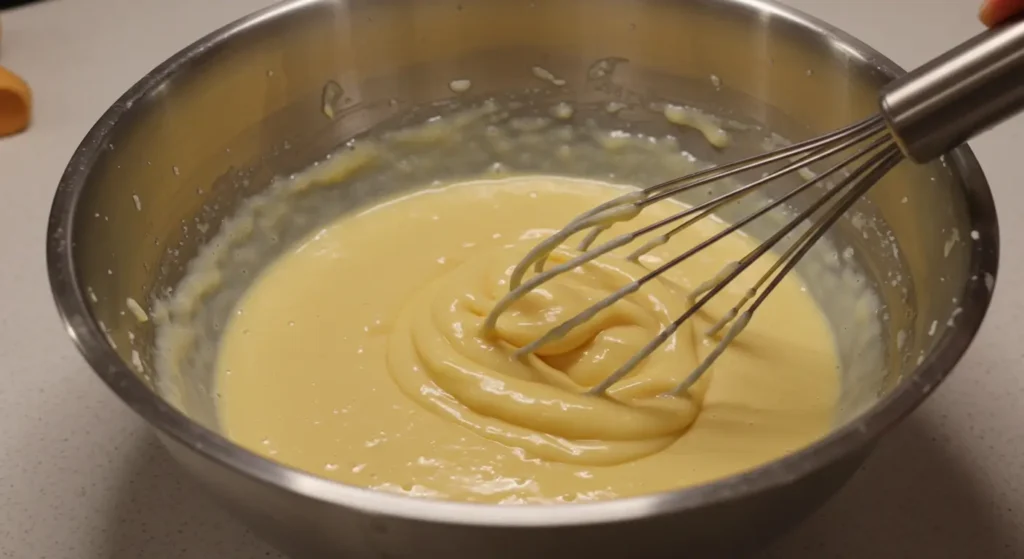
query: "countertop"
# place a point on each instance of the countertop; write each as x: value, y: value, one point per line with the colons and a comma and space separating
x: 81, y: 477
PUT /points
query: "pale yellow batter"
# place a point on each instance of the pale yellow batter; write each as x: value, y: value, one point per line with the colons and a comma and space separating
x: 358, y: 357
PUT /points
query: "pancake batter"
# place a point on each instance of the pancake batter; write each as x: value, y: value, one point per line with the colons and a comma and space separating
x: 358, y: 356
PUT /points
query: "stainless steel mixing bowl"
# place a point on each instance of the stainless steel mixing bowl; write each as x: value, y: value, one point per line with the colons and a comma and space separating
x: 246, y: 103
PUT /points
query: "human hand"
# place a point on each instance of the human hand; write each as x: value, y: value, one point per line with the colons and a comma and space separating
x: 997, y: 11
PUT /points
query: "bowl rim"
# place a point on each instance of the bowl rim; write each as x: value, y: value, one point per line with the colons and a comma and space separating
x: 85, y: 332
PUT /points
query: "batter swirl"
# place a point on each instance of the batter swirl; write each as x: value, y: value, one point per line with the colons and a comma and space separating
x: 439, y: 357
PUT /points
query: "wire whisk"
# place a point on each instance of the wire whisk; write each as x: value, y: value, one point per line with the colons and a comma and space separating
x: 923, y: 115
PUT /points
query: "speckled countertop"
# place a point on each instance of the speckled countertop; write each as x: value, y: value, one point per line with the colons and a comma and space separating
x: 82, y: 478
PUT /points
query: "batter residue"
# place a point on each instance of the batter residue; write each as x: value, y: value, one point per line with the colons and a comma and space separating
x: 358, y: 356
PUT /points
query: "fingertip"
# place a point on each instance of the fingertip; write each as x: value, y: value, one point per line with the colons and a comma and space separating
x: 995, y: 12
x: 987, y: 14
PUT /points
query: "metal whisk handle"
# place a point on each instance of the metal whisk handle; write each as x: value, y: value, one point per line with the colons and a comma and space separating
x: 959, y: 94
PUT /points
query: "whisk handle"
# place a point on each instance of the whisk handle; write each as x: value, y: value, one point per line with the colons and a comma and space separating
x: 959, y: 94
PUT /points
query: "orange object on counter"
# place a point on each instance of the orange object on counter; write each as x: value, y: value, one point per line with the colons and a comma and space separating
x: 15, y: 103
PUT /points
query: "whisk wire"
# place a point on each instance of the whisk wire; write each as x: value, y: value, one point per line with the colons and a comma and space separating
x: 588, y: 313
x: 707, y: 291
x: 705, y: 209
x: 602, y: 216
x: 801, y: 155
x: 629, y: 205
x: 872, y: 125
x: 709, y: 207
x: 878, y: 143
x: 877, y: 154
x: 866, y: 177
